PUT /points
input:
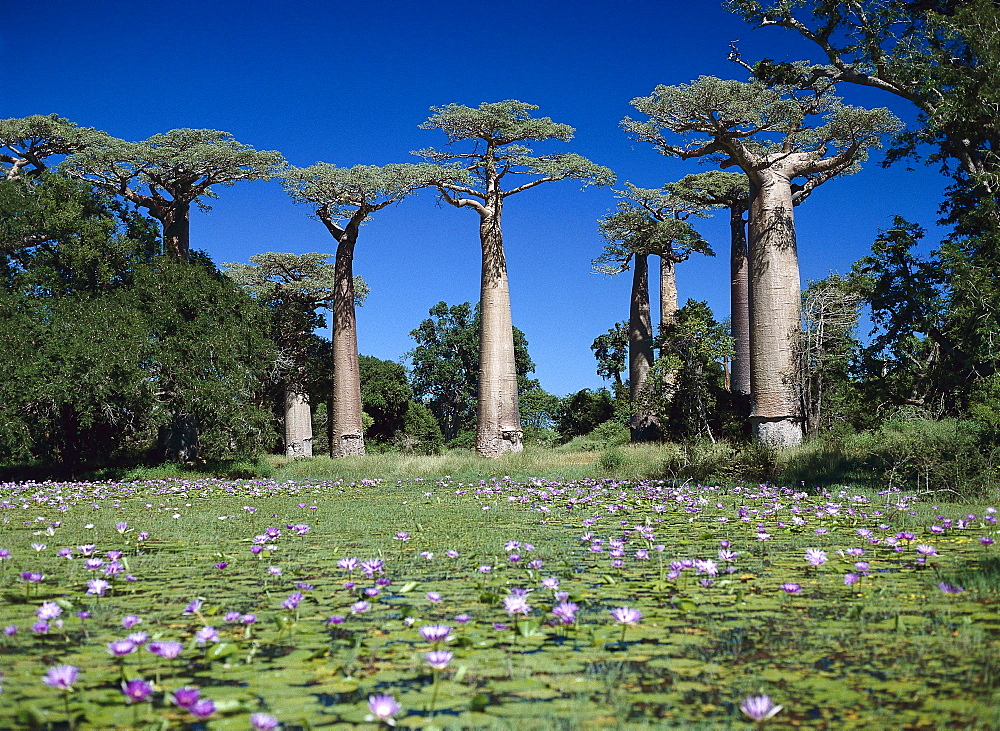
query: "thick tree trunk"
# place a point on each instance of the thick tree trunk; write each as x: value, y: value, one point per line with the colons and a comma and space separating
x: 668, y: 290
x: 179, y: 441
x: 775, y: 318
x: 739, y: 295
x: 298, y: 422
x: 643, y: 426
x: 347, y: 431
x: 177, y: 230
x: 498, y: 420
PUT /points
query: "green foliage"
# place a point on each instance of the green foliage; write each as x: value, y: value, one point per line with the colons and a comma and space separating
x: 649, y: 222
x: 27, y: 142
x: 112, y: 343
x: 445, y: 371
x: 582, y: 412
x: 503, y: 127
x: 611, y: 351
x: 385, y: 397
x: 686, y: 386
x: 421, y: 432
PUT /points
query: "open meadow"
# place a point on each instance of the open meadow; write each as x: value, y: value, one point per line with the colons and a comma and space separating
x: 494, y: 603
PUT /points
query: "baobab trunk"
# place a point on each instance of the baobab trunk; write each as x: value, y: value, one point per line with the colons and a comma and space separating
x: 668, y: 290
x: 739, y: 300
x: 347, y: 431
x: 298, y: 422
x: 775, y: 318
x: 498, y: 419
x: 643, y: 425
x: 177, y: 230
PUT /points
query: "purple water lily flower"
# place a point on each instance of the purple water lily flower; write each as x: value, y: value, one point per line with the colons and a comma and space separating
x: 626, y: 615
x: 263, y: 722
x: 61, y: 677
x: 136, y: 690
x: 186, y: 697
x: 202, y: 708
x: 384, y: 707
x: 759, y: 707
x: 435, y: 633
x: 438, y: 659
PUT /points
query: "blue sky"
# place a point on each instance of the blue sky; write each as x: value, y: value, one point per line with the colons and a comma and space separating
x: 349, y: 83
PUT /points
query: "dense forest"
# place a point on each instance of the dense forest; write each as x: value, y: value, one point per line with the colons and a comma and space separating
x: 127, y: 345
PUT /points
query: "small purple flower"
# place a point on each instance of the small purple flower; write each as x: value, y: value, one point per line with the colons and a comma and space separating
x: 384, y: 707
x: 221, y: 565
x: 360, y: 607
x: 168, y: 650
x: 433, y: 596
x: 136, y: 690
x: 248, y: 618
x: 193, y: 607
x: 335, y: 619
x: 462, y: 618
x: 565, y: 612
x: 815, y: 557
x: 202, y: 708
x: 436, y: 633
x: 186, y: 697
x: 121, y: 648
x: 348, y: 564
x: 263, y: 722
x: 32, y: 577
x: 61, y: 677
x: 10, y: 630
x: 48, y: 611
x: 925, y: 550
x: 759, y: 708
x: 232, y: 617
x: 626, y: 615
x: 402, y: 536
x: 850, y: 579
x: 791, y: 588
x: 516, y: 604
x: 986, y: 541
x: 550, y: 582
x: 130, y: 620
x: 205, y: 635
x: 438, y: 659
x: 950, y: 589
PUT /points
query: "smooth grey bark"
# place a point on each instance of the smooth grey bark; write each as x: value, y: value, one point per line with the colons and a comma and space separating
x: 347, y: 437
x: 668, y: 289
x: 643, y: 426
x: 498, y: 418
x: 298, y: 422
x: 739, y: 301
x: 775, y: 318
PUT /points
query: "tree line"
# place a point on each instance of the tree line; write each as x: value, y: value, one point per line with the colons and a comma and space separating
x: 190, y: 366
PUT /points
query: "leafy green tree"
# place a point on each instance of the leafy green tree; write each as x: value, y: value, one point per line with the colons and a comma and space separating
x: 582, y: 412
x: 693, y: 347
x: 112, y: 344
x: 830, y: 312
x: 386, y: 395
x: 611, y: 351
x: 445, y: 371
x: 26, y: 143
x: 647, y: 222
x: 293, y: 288
x: 499, y: 133
x: 766, y: 131
x: 177, y: 169
x: 343, y: 199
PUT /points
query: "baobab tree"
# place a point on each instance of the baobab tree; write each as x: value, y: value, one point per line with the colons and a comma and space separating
x: 647, y: 222
x: 27, y: 142
x: 499, y: 132
x: 765, y: 131
x: 342, y: 199
x: 718, y: 189
x: 293, y: 288
x: 168, y: 173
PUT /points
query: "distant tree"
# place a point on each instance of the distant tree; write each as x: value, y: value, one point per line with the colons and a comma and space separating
x: 26, y: 143
x: 765, y: 131
x: 830, y: 312
x: 499, y: 132
x: 176, y: 170
x: 693, y: 346
x: 445, y: 372
x: 293, y: 288
x: 386, y: 396
x: 647, y: 222
x: 343, y: 199
x: 581, y: 412
x: 611, y: 352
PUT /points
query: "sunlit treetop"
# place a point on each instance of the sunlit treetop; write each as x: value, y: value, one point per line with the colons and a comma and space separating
x: 756, y: 125
x: 183, y: 164
x: 308, y: 277
x: 340, y: 194
x: 26, y: 142
x: 498, y: 131
x: 649, y: 222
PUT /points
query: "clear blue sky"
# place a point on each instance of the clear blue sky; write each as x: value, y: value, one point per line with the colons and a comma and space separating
x: 348, y: 83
